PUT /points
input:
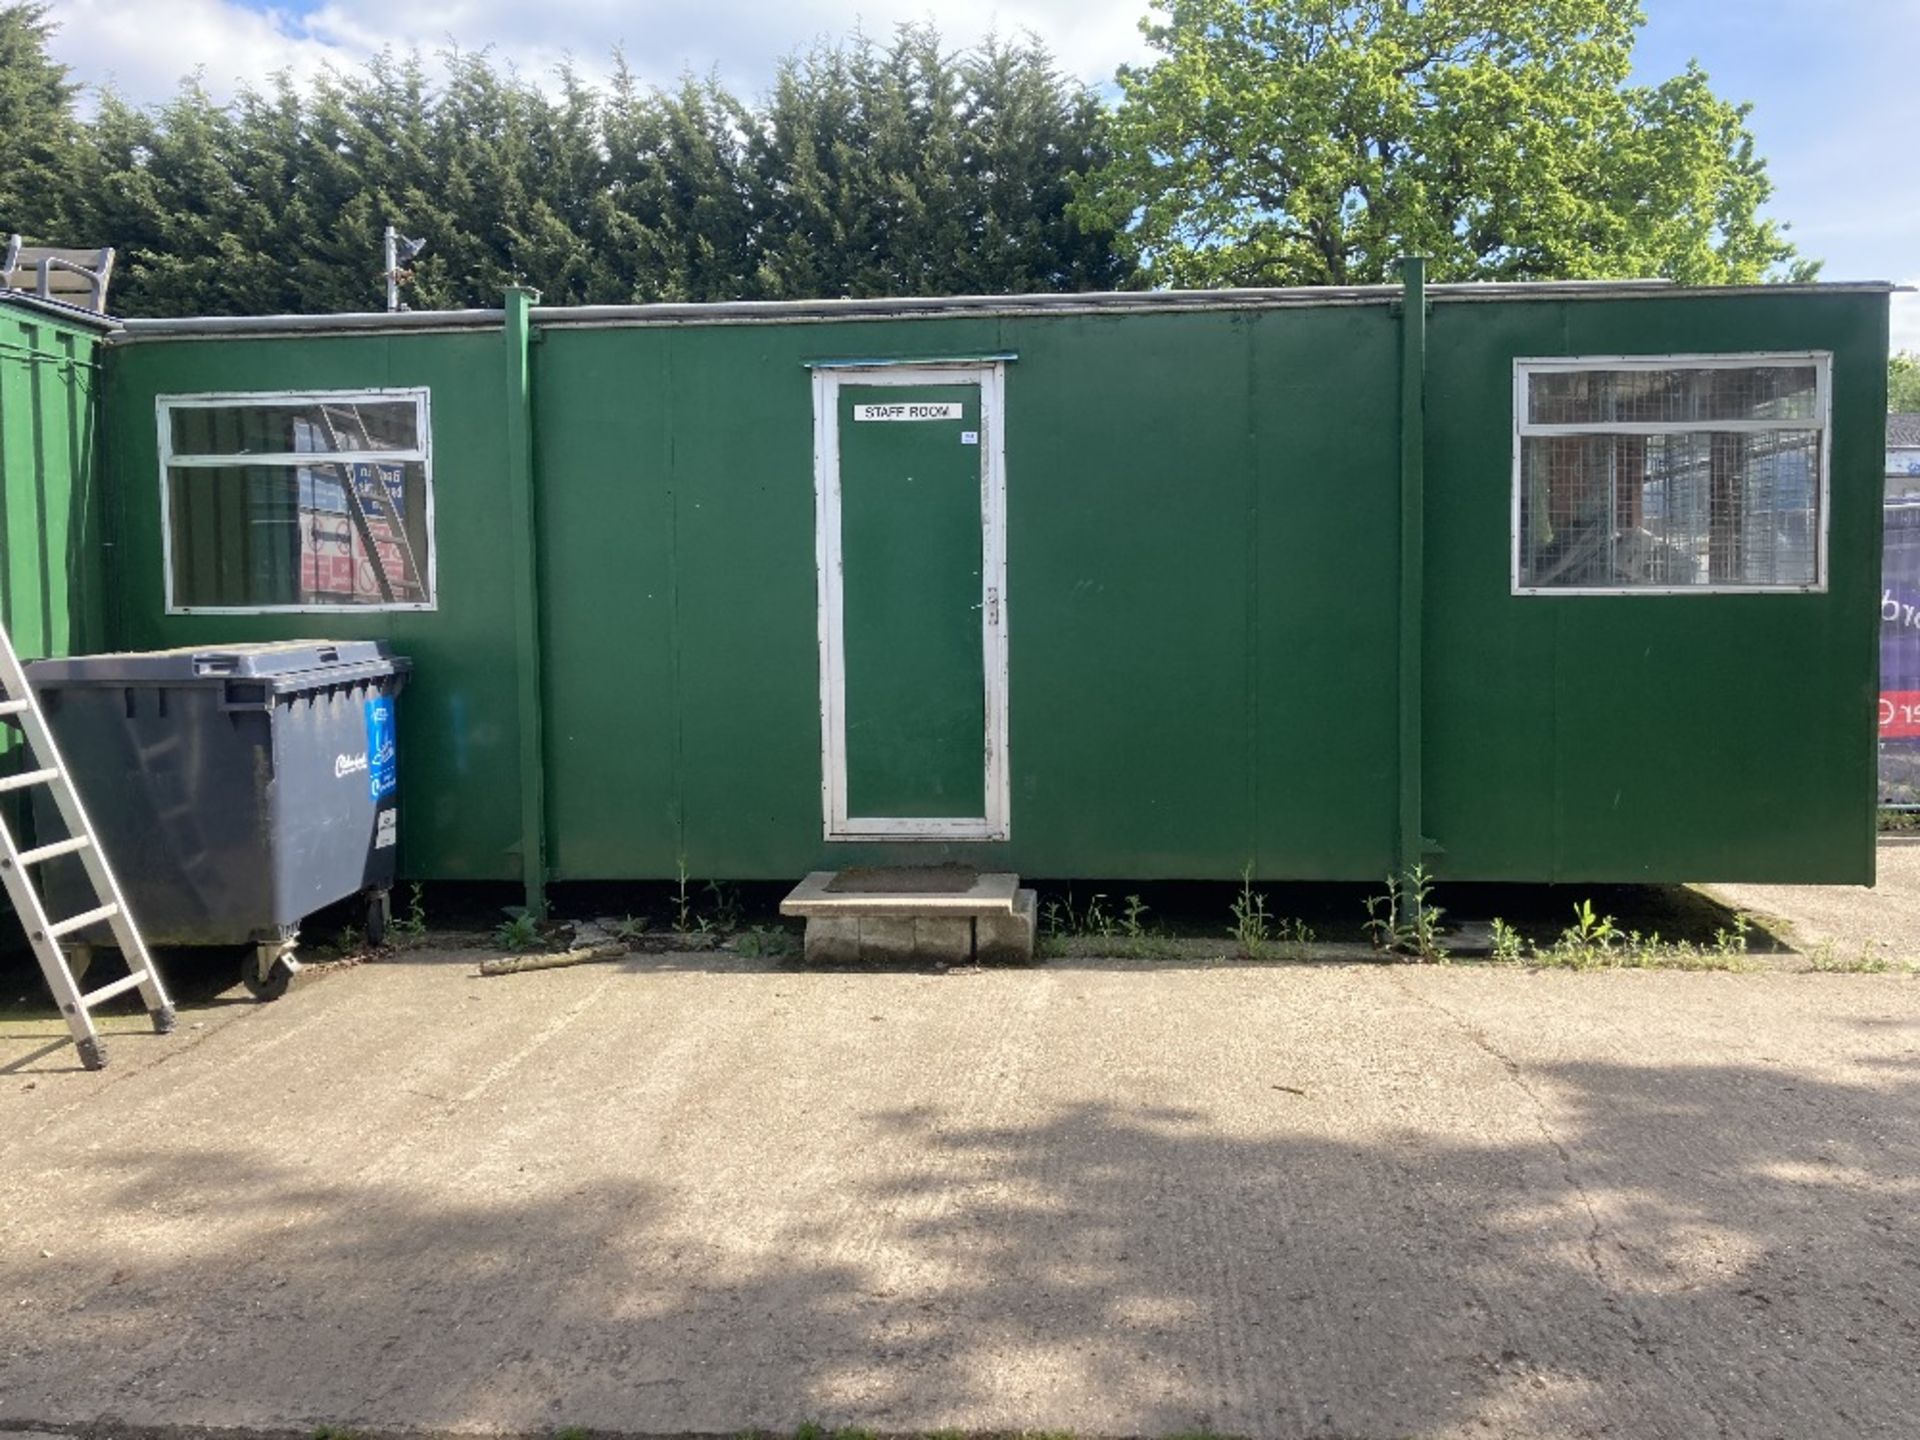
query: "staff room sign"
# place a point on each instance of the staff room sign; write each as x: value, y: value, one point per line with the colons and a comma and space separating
x: 947, y: 411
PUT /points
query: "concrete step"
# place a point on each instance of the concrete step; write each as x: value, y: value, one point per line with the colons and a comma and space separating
x: 905, y: 892
x: 933, y: 915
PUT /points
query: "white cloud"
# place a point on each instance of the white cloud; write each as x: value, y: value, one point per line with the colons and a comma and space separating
x: 1906, y: 321
x: 144, y: 47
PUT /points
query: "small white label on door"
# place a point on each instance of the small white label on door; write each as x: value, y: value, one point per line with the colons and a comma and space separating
x: 969, y: 437
x: 949, y: 411
x: 386, y: 829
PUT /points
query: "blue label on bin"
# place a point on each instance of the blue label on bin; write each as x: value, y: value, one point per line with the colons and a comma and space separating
x: 383, y: 770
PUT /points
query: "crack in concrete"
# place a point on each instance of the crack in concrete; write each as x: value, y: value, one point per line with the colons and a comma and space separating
x: 1611, y: 1295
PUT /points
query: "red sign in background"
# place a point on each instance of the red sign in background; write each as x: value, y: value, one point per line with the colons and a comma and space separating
x: 1899, y: 714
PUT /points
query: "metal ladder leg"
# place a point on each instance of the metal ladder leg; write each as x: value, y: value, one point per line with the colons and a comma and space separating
x: 16, y: 866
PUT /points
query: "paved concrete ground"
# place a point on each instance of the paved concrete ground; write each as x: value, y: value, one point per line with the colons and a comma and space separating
x: 1852, y: 923
x: 699, y: 1194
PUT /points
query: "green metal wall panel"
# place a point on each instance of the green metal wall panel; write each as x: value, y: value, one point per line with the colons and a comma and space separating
x: 51, y: 541
x: 457, y: 731
x: 51, y: 546
x: 610, y: 589
x: 1131, y: 488
x: 1599, y: 737
x: 1203, y: 517
x: 1188, y: 693
x: 1326, y: 436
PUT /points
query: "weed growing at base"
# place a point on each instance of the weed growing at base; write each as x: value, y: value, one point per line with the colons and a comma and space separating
x: 766, y: 942
x: 1261, y: 936
x: 1125, y: 933
x: 1595, y: 942
x: 519, y: 933
x: 1827, y: 959
x: 404, y: 931
x: 1405, y: 921
x: 628, y: 928
x: 724, y: 913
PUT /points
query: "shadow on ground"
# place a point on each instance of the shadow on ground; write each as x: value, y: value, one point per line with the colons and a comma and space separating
x: 1674, y: 1251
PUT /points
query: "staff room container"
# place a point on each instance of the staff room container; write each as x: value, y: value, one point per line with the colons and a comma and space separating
x: 1537, y: 582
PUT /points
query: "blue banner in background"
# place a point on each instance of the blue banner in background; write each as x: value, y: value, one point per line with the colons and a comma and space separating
x: 383, y: 769
x: 1900, y: 657
x: 381, y: 484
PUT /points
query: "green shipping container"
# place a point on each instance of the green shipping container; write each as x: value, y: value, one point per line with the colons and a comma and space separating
x: 52, y: 549
x: 1545, y: 582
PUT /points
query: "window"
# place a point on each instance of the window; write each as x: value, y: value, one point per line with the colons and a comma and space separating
x: 320, y: 501
x: 1684, y: 474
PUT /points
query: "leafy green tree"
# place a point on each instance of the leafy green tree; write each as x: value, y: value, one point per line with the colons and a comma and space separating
x: 1313, y: 141
x: 1903, y: 381
x: 37, y: 127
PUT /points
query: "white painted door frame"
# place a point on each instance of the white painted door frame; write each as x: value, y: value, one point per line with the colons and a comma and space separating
x: 991, y: 378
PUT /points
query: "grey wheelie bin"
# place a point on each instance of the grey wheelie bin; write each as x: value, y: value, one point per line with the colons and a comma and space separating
x: 238, y: 788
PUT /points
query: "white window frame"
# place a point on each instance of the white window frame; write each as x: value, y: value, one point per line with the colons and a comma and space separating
x: 1821, y: 360
x: 421, y: 454
x: 990, y: 377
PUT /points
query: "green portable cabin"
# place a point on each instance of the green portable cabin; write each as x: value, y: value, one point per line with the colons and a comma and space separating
x: 1530, y: 582
x: 52, y: 544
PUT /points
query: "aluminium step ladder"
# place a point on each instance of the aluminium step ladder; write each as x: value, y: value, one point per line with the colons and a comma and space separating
x: 44, y: 767
x: 351, y: 435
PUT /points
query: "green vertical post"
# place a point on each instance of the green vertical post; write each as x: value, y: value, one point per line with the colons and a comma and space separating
x: 1413, y: 406
x: 523, y: 514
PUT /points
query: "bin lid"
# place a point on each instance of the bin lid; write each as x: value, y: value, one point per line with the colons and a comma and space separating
x: 317, y: 662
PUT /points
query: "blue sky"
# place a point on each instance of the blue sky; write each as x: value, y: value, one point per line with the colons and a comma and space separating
x: 1835, y: 83
x: 1835, y: 87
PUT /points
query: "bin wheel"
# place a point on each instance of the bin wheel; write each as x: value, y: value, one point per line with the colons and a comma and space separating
x: 268, y: 972
x: 379, y: 915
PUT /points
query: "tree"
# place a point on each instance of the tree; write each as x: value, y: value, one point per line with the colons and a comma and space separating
x: 1903, y: 381
x: 906, y: 170
x: 1027, y: 135
x: 37, y: 127
x: 677, y: 217
x: 1313, y: 141
x: 897, y: 169
x: 866, y: 171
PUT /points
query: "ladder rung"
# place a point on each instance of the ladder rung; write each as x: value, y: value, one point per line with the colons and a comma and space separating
x: 26, y: 778
x: 81, y: 921
x: 107, y: 992
x: 13, y: 707
x: 58, y: 847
